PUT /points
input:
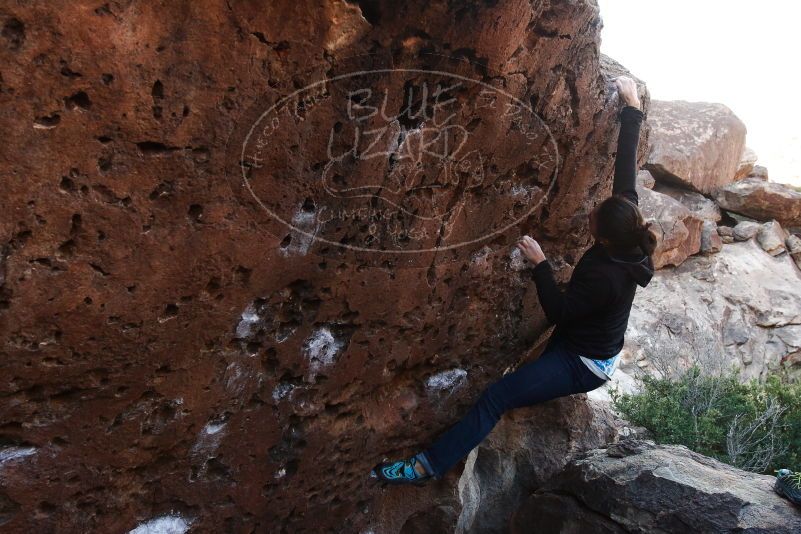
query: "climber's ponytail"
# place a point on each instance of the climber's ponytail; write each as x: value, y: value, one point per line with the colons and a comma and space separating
x: 646, y: 238
x: 621, y: 223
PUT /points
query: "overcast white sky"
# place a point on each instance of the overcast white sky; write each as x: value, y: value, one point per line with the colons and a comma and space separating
x: 742, y: 53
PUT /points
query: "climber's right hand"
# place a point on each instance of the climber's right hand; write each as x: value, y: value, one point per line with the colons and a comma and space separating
x: 531, y: 250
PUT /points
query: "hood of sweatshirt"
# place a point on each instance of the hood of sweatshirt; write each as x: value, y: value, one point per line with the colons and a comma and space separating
x: 639, y: 266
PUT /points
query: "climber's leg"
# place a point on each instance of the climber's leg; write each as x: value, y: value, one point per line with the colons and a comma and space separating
x: 556, y: 373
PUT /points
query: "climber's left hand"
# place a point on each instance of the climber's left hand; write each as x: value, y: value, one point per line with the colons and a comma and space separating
x: 627, y: 91
x: 531, y: 250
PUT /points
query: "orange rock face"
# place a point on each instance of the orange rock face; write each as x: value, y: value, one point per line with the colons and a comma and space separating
x: 249, y: 249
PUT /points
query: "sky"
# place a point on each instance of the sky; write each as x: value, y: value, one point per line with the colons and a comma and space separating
x: 744, y: 54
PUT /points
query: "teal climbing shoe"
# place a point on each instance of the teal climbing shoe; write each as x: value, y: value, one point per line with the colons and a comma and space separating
x: 788, y: 484
x: 400, y: 472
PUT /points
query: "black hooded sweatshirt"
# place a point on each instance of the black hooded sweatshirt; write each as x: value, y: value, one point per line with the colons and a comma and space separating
x: 592, y: 314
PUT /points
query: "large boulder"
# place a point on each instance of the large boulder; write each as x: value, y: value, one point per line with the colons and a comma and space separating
x: 740, y: 307
x: 227, y: 291
x: 526, y: 448
x: 696, y: 145
x: 678, y: 230
x: 638, y: 486
x: 762, y: 200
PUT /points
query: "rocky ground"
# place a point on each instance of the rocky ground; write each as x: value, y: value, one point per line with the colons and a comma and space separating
x: 214, y: 319
x: 637, y: 486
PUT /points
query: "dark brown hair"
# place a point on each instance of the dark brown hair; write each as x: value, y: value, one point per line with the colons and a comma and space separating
x: 620, y: 222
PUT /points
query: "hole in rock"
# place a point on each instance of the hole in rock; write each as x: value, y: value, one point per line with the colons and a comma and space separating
x: 196, y: 213
x: 45, y: 123
x: 14, y: 33
x: 66, y: 184
x: 104, y: 163
x: 158, y: 89
x: 154, y: 148
x: 67, y: 248
x: 371, y: 10
x: 79, y: 100
x: 69, y: 73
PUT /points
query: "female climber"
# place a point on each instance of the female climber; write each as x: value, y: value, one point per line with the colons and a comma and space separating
x: 590, y: 316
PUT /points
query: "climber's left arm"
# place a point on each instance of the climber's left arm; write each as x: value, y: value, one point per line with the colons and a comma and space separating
x: 626, y: 159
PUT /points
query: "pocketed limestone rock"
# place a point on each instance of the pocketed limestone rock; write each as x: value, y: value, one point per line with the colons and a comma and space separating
x: 179, y: 245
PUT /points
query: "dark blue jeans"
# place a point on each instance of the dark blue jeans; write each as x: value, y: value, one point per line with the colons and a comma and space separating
x: 556, y: 373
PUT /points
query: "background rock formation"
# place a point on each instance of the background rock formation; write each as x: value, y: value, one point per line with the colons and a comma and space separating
x: 697, y: 145
x: 170, y: 353
x: 677, y: 228
x: 736, y: 303
x: 740, y: 307
x: 757, y: 198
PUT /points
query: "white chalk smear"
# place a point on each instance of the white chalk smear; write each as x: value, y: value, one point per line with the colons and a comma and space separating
x: 167, y: 524
x: 205, y: 448
x: 449, y: 379
x: 321, y: 349
x: 12, y: 453
x: 235, y: 379
x: 516, y: 260
x: 306, y: 225
x: 249, y: 319
x: 213, y: 428
x: 209, y: 439
x: 282, y: 390
x: 520, y: 190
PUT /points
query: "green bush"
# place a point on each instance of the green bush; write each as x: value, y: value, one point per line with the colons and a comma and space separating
x: 754, y: 426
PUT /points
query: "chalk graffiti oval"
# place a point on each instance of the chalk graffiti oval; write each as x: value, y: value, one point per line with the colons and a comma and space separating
x: 398, y: 161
